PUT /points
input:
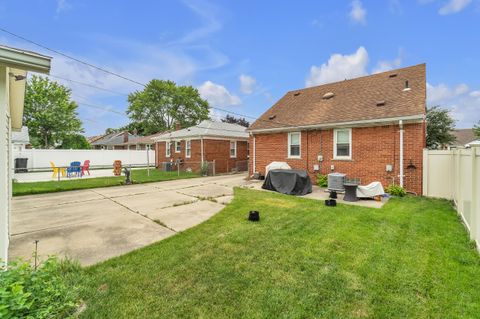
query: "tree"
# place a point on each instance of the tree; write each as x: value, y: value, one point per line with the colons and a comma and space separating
x: 439, y: 127
x: 49, y: 113
x: 75, y: 141
x: 476, y: 130
x: 236, y: 120
x: 163, y: 104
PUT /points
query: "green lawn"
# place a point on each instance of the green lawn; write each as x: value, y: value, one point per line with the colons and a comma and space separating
x: 138, y: 176
x: 410, y: 259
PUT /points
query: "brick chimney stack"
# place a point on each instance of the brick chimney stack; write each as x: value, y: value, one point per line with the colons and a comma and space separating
x: 125, y: 137
x: 178, y: 126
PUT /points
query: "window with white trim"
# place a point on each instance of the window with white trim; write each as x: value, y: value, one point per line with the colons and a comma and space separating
x: 342, y: 144
x: 167, y: 149
x: 233, y: 149
x: 294, y: 142
x: 188, y: 149
x: 178, y: 147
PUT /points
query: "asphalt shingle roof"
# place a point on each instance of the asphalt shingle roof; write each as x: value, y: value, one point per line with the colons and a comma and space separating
x: 207, y: 128
x: 353, y: 100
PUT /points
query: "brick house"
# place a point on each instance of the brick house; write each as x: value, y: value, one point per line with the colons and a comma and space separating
x: 224, y: 143
x: 142, y: 142
x: 112, y: 141
x: 371, y: 127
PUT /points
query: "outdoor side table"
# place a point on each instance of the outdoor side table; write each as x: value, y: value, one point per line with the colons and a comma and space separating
x: 350, y: 192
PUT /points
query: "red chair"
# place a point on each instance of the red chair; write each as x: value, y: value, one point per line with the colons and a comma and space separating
x: 86, y: 167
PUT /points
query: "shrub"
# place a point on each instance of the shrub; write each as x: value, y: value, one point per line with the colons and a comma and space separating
x: 396, y: 190
x: 322, y: 180
x: 51, y: 291
x: 204, y: 169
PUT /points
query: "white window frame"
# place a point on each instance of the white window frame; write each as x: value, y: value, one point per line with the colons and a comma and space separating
x: 178, y: 147
x: 299, y: 145
x: 188, y: 147
x: 168, y: 146
x: 340, y: 157
x: 235, y: 149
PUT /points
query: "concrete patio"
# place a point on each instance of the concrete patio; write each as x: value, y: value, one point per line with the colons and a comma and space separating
x: 97, y: 224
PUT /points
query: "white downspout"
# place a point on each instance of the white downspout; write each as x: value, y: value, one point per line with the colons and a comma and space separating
x: 254, y: 156
x: 201, y: 149
x: 400, y: 123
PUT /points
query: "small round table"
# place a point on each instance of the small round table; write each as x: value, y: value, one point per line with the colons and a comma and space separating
x: 350, y: 192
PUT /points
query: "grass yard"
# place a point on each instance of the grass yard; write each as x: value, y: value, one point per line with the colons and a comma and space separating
x: 138, y: 176
x: 410, y: 259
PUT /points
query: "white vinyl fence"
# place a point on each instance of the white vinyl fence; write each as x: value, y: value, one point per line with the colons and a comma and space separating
x: 455, y: 175
x: 40, y: 159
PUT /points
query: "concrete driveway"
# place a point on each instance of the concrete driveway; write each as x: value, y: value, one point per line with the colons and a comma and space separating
x: 97, y: 224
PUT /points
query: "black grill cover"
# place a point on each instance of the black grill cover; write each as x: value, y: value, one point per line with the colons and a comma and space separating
x: 288, y: 181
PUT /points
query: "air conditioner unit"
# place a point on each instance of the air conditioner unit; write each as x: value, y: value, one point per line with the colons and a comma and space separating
x: 336, y: 181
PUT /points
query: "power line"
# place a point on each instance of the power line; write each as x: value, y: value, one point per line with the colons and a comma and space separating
x: 123, y: 77
x: 87, y: 84
x: 70, y: 57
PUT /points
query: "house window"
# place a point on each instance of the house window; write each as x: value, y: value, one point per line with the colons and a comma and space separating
x: 342, y: 144
x: 294, y: 140
x: 167, y: 149
x: 233, y: 149
x: 148, y: 146
x: 178, y: 147
x: 188, y: 149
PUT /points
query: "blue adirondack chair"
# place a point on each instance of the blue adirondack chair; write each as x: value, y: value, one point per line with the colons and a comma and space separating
x: 75, y: 169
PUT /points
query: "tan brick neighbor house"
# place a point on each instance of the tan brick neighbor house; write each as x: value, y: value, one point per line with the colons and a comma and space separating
x: 372, y: 128
x: 224, y: 143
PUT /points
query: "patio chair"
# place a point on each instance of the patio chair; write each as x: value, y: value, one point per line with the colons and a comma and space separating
x: 86, y: 167
x: 74, y: 169
x: 57, y: 170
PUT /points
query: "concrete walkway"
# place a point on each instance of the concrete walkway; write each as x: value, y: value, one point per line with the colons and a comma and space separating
x: 97, y: 224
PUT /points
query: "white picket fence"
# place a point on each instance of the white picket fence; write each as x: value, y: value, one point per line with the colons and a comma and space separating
x: 455, y: 175
x: 40, y: 159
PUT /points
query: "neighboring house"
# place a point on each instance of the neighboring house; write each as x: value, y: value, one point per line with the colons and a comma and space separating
x: 113, y: 141
x: 463, y: 137
x: 224, y: 143
x: 372, y: 128
x: 21, y: 140
x: 142, y: 142
x: 14, y: 64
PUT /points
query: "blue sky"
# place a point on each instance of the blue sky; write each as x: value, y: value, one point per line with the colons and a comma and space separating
x: 244, y: 55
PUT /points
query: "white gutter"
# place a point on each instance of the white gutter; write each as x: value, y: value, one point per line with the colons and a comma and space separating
x: 400, y: 124
x: 410, y: 118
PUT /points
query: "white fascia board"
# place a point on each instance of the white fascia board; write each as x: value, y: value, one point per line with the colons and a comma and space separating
x: 25, y: 60
x: 363, y: 123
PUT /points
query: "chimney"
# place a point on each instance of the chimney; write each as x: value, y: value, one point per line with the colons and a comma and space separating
x: 125, y: 136
x: 178, y: 126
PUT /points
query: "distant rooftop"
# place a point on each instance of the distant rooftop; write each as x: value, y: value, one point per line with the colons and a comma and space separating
x: 207, y: 128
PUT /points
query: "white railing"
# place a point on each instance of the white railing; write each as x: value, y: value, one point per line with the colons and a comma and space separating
x: 455, y: 175
x: 39, y: 159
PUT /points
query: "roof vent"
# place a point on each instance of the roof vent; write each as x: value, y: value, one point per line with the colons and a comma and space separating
x: 328, y: 95
x: 271, y: 117
x: 393, y: 75
x: 296, y: 94
x: 381, y: 103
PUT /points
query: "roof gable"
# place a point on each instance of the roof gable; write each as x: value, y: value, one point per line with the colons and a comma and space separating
x: 377, y: 96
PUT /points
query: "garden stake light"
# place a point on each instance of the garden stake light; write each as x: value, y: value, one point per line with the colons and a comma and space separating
x: 254, y: 216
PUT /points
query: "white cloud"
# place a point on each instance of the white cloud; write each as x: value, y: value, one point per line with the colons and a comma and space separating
x: 247, y: 84
x: 63, y: 5
x: 453, y: 6
x: 475, y: 93
x: 383, y: 66
x: 463, y: 103
x: 358, y: 14
x: 339, y: 67
x: 217, y: 95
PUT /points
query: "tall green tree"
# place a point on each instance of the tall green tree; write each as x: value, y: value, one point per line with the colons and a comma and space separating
x: 236, y: 120
x: 50, y: 114
x: 476, y: 130
x: 76, y: 142
x: 440, y: 125
x: 163, y: 104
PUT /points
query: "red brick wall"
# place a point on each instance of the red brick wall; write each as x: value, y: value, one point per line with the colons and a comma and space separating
x: 218, y: 150
x: 372, y: 149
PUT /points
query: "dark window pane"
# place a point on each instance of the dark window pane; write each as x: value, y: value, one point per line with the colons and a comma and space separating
x: 294, y: 150
x: 343, y: 149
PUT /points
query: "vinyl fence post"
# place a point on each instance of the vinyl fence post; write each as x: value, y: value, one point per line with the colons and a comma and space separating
x: 474, y: 228
x: 425, y: 172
